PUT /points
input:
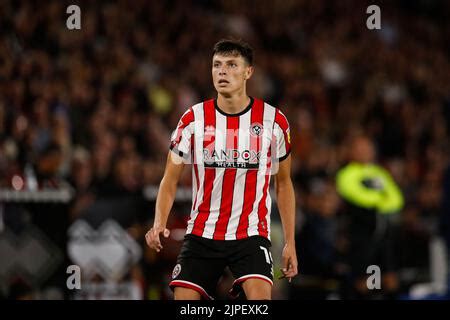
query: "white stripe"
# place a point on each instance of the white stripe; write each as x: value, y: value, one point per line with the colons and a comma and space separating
x: 174, y: 282
x: 252, y: 276
x: 269, y: 208
x: 280, y: 143
x: 194, y: 188
x: 239, y: 182
x: 180, y: 123
x: 216, y: 195
x: 198, y: 140
x: 268, y: 172
x: 185, y: 142
x: 268, y: 119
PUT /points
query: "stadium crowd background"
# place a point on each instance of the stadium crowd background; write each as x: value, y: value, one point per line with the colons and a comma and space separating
x: 95, y: 107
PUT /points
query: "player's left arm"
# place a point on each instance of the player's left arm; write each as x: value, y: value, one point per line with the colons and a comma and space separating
x: 284, y: 190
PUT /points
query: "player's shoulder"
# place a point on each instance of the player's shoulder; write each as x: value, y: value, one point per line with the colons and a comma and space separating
x: 275, y: 109
x: 191, y: 108
x: 190, y: 111
x: 267, y: 105
x: 280, y: 117
x: 198, y: 106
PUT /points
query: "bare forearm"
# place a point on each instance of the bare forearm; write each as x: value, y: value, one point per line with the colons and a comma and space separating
x: 164, y: 202
x: 286, y: 206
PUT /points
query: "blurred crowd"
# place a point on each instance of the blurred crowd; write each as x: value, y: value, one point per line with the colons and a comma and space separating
x: 95, y: 108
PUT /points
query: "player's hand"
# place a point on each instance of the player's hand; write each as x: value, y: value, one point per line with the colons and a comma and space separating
x: 290, y: 264
x: 152, y: 237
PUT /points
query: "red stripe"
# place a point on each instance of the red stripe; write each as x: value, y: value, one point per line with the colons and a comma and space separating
x: 281, y: 120
x: 263, y: 228
x: 251, y: 175
x: 210, y: 173
x: 229, y: 177
x: 185, y: 120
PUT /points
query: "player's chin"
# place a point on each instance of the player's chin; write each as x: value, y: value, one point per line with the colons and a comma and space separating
x: 223, y: 91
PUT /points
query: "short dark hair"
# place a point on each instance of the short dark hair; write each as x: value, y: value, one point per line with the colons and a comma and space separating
x: 234, y: 47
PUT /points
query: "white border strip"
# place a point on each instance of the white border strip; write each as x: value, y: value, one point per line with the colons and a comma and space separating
x: 248, y: 276
x: 203, y: 291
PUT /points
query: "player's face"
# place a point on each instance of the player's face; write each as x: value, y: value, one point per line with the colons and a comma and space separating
x: 230, y: 73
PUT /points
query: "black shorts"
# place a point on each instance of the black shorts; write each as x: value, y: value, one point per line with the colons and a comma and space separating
x: 202, y: 262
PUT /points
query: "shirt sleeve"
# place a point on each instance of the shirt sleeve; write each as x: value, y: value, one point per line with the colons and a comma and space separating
x: 282, y: 136
x: 180, y: 141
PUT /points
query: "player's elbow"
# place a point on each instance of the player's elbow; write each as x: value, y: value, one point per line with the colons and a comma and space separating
x: 283, y: 185
x: 168, y: 185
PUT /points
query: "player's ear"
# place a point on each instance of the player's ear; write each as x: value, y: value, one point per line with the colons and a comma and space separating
x: 249, y: 72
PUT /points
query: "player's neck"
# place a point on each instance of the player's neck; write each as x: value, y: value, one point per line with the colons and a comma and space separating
x: 234, y: 103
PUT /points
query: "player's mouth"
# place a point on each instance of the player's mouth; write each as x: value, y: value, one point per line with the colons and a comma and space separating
x: 223, y: 82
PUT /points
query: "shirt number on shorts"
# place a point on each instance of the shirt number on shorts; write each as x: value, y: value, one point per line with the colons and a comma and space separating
x: 267, y: 254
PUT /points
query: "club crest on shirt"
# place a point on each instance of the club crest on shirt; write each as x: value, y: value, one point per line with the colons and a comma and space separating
x: 256, y: 129
x: 210, y: 132
x: 176, y: 271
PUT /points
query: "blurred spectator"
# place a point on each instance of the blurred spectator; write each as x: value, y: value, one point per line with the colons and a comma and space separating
x: 411, y: 240
x: 320, y: 244
x: 445, y: 219
x: 43, y: 173
x: 19, y: 290
x: 48, y: 165
x: 115, y: 91
x: 371, y: 196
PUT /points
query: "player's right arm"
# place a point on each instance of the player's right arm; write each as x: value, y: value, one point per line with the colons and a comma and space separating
x: 180, y: 149
x: 164, y: 200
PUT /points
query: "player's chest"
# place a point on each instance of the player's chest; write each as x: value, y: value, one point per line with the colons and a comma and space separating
x: 237, y: 133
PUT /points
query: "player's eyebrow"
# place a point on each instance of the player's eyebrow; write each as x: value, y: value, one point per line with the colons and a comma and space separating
x: 225, y: 60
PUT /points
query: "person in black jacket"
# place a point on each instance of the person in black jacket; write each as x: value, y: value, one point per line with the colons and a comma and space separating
x: 371, y: 197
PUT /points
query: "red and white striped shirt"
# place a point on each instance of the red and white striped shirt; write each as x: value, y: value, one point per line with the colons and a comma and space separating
x: 233, y: 157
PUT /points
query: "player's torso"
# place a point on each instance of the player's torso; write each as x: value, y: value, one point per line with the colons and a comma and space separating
x: 231, y: 171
